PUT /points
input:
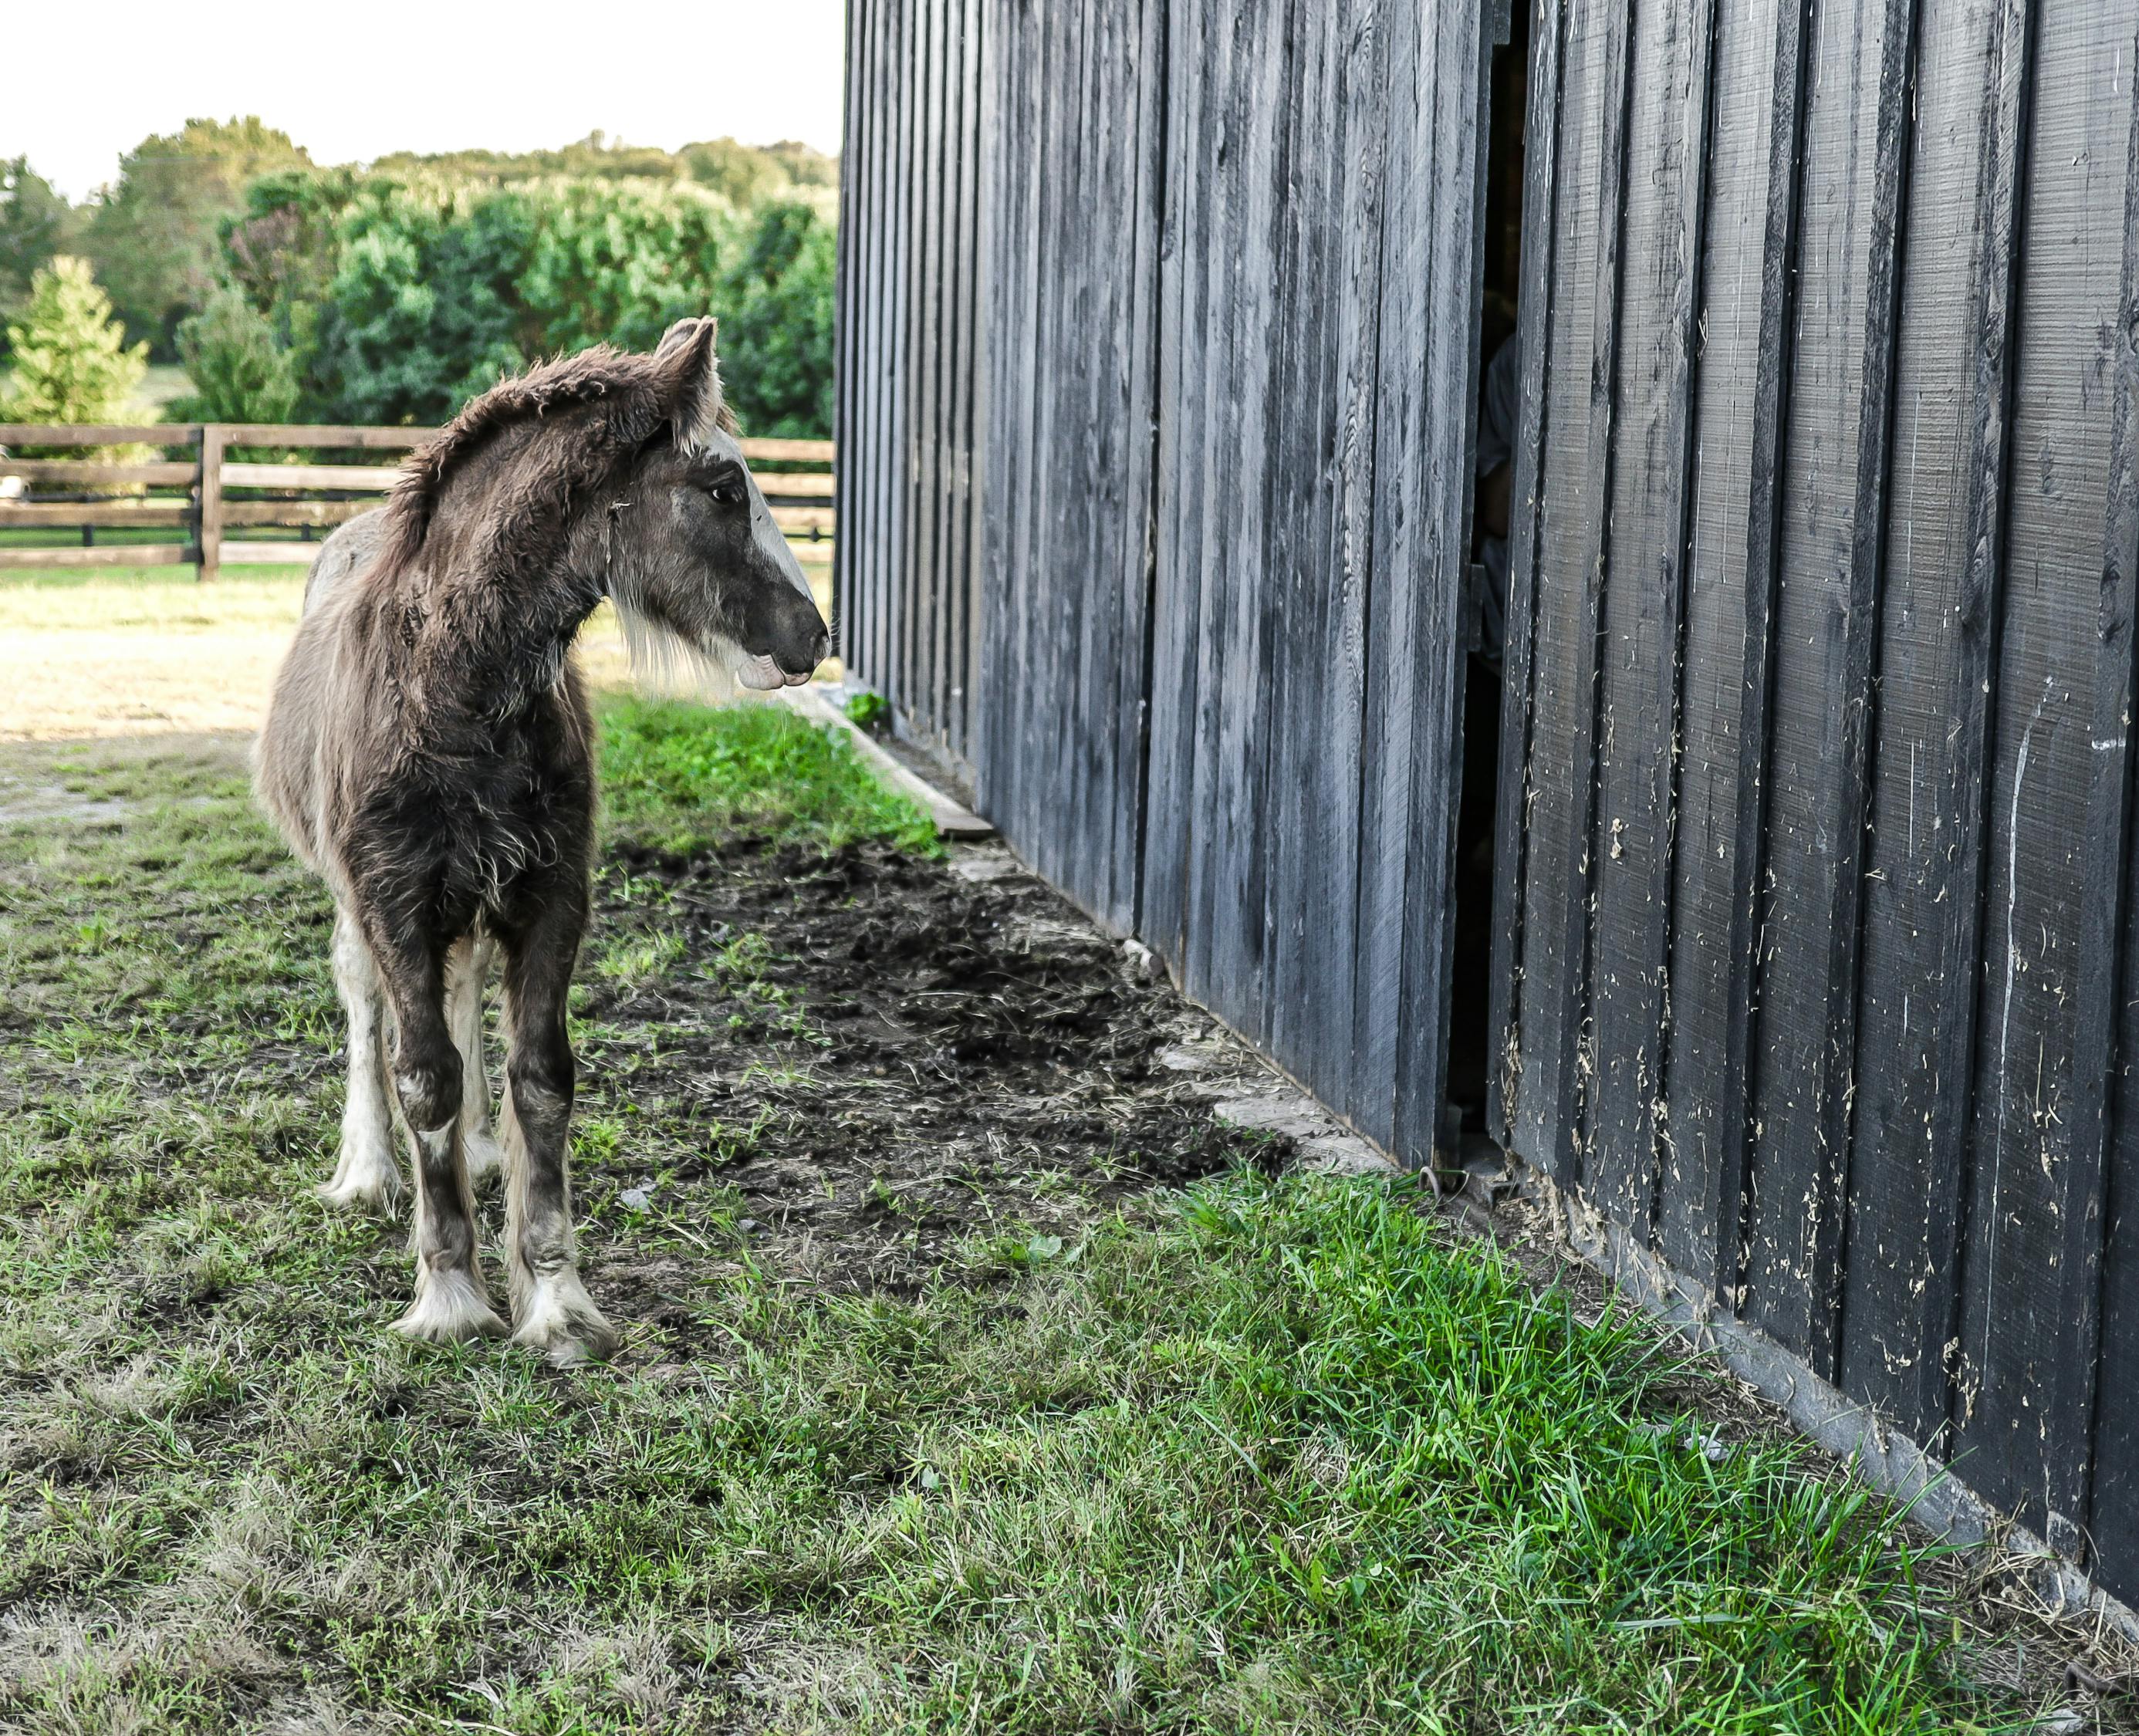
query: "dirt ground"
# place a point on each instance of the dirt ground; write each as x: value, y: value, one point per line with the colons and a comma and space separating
x: 944, y: 1047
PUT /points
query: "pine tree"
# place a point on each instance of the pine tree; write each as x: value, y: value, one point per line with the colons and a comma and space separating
x: 70, y: 359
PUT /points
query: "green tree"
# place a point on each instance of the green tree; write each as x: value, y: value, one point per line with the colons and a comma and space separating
x: 240, y: 373
x: 281, y: 253
x: 775, y: 313
x: 426, y: 305
x: 34, y: 223
x: 156, y: 235
x: 71, y: 362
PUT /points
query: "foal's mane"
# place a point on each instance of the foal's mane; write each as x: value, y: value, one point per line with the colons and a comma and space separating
x: 635, y: 396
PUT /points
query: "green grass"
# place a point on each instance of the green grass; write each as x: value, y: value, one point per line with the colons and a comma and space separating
x: 1268, y: 1455
x: 676, y: 776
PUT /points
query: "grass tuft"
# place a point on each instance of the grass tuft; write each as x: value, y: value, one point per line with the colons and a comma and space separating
x: 677, y: 777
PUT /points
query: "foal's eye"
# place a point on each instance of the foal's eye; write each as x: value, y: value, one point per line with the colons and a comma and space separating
x: 728, y: 491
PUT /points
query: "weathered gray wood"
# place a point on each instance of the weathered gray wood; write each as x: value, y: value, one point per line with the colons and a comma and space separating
x: 1638, y: 697
x: 1534, y: 336
x: 1832, y: 476
x: 1700, y: 975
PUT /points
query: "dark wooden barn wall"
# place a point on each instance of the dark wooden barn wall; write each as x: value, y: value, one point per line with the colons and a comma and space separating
x: 1076, y: 123
x: 1816, y: 963
x: 1316, y: 370
x: 908, y: 334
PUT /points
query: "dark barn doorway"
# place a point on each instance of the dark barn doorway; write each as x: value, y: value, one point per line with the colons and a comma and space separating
x: 1470, y: 1027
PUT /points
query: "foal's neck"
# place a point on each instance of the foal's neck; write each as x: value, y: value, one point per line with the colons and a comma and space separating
x: 503, y: 626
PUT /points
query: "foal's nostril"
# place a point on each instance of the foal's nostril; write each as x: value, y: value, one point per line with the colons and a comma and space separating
x: 823, y: 648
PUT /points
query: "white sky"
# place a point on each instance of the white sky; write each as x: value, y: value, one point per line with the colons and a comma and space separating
x: 350, y: 83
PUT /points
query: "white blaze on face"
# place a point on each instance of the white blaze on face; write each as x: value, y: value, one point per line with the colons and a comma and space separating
x: 763, y: 673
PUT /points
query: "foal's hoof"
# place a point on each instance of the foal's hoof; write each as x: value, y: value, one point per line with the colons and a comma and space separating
x: 450, y: 1308
x: 375, y: 1194
x: 562, y: 1323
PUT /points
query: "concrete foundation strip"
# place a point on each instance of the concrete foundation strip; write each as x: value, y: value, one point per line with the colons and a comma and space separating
x: 952, y: 819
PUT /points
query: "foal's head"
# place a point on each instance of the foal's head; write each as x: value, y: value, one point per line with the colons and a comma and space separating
x: 618, y: 475
x: 690, y: 548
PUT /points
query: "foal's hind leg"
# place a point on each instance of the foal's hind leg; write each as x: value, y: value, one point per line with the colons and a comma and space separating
x: 550, y: 1307
x: 451, y: 1300
x: 366, y: 1176
x: 467, y: 968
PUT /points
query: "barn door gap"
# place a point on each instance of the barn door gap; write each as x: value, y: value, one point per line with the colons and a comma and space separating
x: 1495, y: 415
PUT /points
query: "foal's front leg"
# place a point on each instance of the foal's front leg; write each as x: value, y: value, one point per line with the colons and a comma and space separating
x: 451, y: 1302
x: 550, y: 1307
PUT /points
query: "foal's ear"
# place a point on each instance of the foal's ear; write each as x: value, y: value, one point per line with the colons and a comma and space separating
x: 691, y: 374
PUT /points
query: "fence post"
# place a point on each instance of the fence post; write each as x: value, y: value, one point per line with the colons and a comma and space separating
x: 210, y: 553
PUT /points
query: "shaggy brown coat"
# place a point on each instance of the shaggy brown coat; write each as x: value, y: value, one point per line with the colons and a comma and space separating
x: 428, y: 753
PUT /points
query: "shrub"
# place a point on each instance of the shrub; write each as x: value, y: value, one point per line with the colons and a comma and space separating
x: 72, y: 363
x: 238, y: 371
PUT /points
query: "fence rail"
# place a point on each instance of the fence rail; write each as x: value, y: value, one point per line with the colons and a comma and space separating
x: 193, y: 494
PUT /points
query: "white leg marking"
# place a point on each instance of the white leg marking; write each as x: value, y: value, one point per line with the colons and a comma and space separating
x: 451, y: 1302
x: 366, y: 1178
x: 468, y: 969
x: 559, y: 1319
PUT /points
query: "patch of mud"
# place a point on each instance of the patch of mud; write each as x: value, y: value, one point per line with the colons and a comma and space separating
x: 917, y: 1051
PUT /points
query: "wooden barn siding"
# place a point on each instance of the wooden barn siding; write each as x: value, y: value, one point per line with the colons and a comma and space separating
x: 908, y: 331
x: 1076, y: 137
x: 1316, y: 368
x: 1817, y: 960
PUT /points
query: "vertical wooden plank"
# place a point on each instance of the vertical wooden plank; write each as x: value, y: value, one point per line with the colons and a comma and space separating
x: 1702, y: 984
x: 1397, y: 597
x: 1900, y: 1278
x: 845, y: 291
x: 978, y: 126
x: 2103, y: 1255
x: 212, y: 441
x: 930, y: 576
x: 1826, y: 626
x: 1296, y: 581
x: 1960, y: 876
x: 1135, y: 534
x: 1599, y: 460
x: 1347, y: 733
x: 1534, y: 326
x: 911, y: 355
x: 882, y: 374
x: 1564, y: 553
x: 2030, y: 1203
x: 1638, y: 695
x: 1453, y: 92
x: 1178, y: 618
x: 1763, y: 577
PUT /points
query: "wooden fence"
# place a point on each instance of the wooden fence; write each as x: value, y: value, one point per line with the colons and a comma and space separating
x: 205, y: 495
